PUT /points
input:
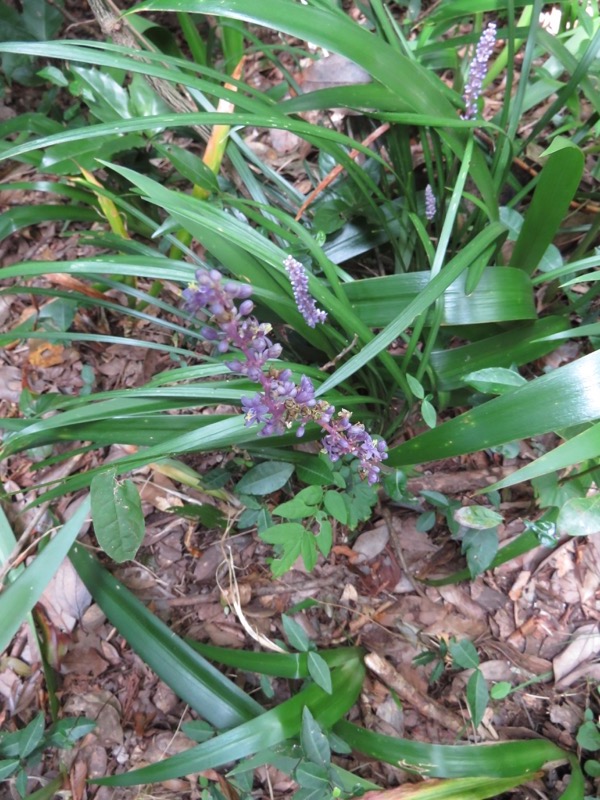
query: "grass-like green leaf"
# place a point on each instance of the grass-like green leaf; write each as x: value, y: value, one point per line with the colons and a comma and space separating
x: 189, y: 675
x: 267, y: 730
x: 583, y: 447
x: 435, y: 288
x: 504, y: 760
x: 282, y: 665
x: 20, y: 596
x: 558, y: 182
x: 520, y: 345
x: 565, y: 397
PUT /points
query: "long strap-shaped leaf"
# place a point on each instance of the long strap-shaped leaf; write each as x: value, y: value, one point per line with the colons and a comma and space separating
x: 415, y: 88
x: 153, y: 639
x: 435, y: 289
x: 196, y: 681
x: 562, y: 398
x: 281, y: 665
x: 267, y: 730
x: 17, y: 600
x: 453, y: 761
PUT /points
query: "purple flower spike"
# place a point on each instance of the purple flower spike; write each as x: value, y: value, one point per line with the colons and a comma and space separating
x: 306, y: 305
x: 282, y: 401
x: 430, y: 203
x: 478, y: 70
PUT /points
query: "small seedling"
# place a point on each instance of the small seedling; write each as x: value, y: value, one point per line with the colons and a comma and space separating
x: 21, y: 750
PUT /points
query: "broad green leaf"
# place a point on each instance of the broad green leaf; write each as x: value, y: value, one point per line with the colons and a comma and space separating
x: 477, y: 696
x: 265, y: 478
x: 294, y: 509
x: 324, y: 538
x: 313, y: 740
x: 295, y: 633
x: 31, y: 736
x: 64, y: 733
x: 480, y: 548
x: 117, y: 515
x: 428, y: 413
x: 335, y: 505
x: 8, y: 767
x: 464, y: 654
x: 43, y: 20
x: 23, y: 742
x: 500, y: 690
x: 580, y: 516
x: 311, y: 495
x: 319, y: 671
x: 20, y: 596
x: 501, y: 295
x: 315, y: 471
x: 494, y: 380
x: 554, y: 191
x: 308, y: 551
x: 592, y: 768
x: 190, y: 676
x: 568, y: 396
x: 314, y: 781
x: 588, y: 736
x: 265, y: 731
x: 480, y: 518
x: 280, y: 534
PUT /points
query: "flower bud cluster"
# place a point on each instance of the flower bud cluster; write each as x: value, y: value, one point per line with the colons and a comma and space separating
x: 430, y: 203
x: 282, y: 402
x: 478, y: 70
x: 305, y: 303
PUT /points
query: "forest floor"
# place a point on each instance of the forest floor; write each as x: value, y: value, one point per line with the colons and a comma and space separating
x: 535, y: 620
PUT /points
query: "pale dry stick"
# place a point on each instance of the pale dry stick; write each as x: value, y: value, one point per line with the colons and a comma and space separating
x: 233, y: 598
x: 410, y: 694
x: 339, y: 356
x: 338, y: 169
x: 118, y: 28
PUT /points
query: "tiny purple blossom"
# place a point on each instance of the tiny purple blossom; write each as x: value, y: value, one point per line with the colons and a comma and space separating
x: 478, y: 70
x: 306, y: 305
x: 430, y: 203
